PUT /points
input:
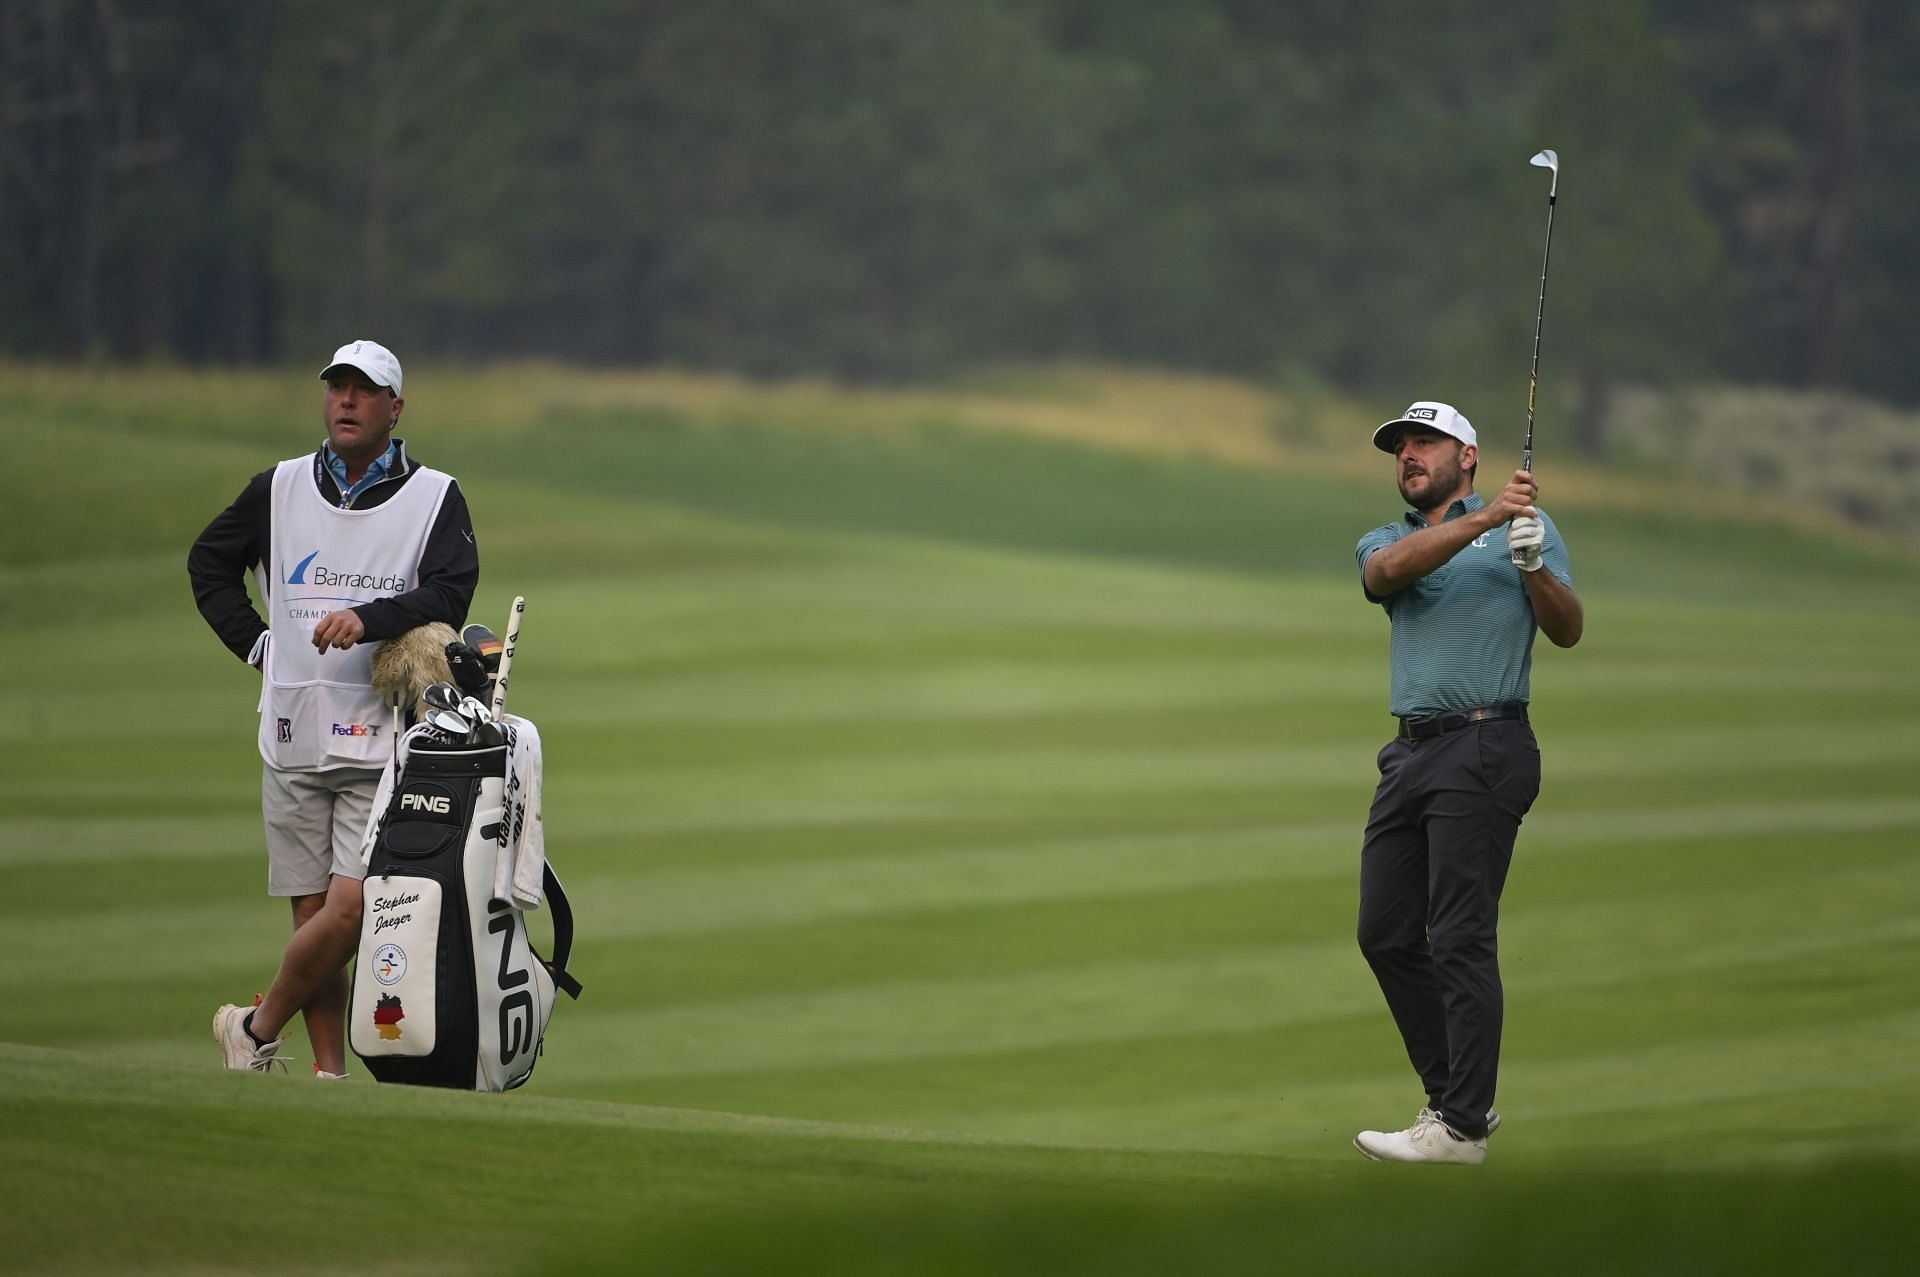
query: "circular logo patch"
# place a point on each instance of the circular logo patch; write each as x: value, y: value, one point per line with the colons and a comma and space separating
x: 389, y: 963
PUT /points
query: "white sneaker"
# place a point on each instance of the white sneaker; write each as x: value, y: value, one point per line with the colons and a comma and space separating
x: 322, y: 1075
x: 1428, y: 1140
x: 238, y: 1046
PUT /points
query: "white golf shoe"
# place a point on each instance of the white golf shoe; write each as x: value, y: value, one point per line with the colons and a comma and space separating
x: 238, y: 1046
x: 1428, y: 1140
x: 1493, y: 1118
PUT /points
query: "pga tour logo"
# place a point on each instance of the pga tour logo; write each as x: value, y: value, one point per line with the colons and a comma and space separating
x: 389, y: 964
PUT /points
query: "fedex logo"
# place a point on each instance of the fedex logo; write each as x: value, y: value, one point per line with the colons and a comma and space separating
x: 356, y: 729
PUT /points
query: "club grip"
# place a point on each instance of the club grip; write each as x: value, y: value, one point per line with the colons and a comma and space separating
x: 511, y: 641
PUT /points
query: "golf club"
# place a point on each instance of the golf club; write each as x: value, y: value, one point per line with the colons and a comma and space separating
x: 1549, y: 160
x: 453, y: 724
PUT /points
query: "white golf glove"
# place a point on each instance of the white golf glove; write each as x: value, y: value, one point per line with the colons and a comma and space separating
x: 1526, y: 541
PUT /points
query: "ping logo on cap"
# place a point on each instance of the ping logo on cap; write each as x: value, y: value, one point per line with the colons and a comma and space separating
x: 1423, y: 414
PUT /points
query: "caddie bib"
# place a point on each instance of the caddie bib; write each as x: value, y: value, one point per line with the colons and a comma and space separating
x: 318, y: 711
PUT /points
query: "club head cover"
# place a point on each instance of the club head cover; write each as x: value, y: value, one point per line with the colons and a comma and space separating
x: 469, y: 668
x: 486, y: 642
x: 406, y: 665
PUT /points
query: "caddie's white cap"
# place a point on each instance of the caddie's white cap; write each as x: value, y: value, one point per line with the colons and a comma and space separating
x: 371, y: 358
x: 1429, y: 413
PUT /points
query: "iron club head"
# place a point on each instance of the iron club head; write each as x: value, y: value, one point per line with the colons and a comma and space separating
x: 1549, y: 160
x: 446, y: 720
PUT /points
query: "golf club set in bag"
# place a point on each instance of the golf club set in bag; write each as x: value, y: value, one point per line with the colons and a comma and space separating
x: 447, y: 988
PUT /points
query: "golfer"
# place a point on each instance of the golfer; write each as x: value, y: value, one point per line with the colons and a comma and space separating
x: 1465, y: 584
x: 351, y: 544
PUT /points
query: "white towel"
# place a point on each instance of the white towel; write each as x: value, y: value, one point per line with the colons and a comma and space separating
x: 519, y: 868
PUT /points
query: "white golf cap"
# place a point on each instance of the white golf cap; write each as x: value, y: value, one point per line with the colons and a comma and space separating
x: 371, y: 358
x: 1434, y: 416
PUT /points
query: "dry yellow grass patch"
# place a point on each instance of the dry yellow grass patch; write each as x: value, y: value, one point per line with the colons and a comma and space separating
x: 1209, y: 417
x: 1150, y: 412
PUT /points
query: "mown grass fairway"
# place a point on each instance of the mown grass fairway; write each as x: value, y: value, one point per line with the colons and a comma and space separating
x: 962, y: 825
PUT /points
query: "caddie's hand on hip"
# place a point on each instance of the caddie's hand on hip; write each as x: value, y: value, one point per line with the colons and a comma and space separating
x: 340, y: 629
x: 1515, y: 499
x: 1527, y: 540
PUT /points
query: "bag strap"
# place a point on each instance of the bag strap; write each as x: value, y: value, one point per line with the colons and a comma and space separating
x: 562, y: 933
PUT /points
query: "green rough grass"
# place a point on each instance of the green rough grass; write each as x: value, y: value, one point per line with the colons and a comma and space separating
x: 962, y: 827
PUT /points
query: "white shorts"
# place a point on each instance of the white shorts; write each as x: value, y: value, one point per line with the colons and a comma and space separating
x: 315, y: 822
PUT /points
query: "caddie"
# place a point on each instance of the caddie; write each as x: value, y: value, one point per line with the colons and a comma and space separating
x: 351, y: 544
x: 1465, y: 584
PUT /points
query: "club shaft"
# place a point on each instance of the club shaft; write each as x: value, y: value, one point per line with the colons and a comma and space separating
x: 1539, y: 321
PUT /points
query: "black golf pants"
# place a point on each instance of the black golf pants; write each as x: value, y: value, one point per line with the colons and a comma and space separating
x: 1438, y: 843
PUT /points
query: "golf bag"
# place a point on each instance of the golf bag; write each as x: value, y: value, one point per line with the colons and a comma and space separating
x: 447, y: 990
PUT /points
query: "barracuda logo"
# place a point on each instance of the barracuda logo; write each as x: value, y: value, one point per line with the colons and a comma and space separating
x: 307, y: 572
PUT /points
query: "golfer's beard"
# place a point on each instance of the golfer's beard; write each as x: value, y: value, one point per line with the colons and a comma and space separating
x: 1441, y: 480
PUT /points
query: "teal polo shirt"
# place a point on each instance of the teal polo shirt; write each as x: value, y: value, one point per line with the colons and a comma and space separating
x: 1463, y: 633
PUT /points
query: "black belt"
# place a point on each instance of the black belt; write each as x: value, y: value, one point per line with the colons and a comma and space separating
x: 1454, y: 719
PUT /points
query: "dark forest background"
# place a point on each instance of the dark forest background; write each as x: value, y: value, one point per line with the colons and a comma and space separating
x: 1329, y: 192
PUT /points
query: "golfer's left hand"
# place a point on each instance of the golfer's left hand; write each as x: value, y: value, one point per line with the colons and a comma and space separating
x: 340, y: 629
x: 1527, y: 540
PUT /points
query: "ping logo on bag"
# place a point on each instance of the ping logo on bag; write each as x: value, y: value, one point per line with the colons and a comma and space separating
x: 517, y: 1032
x: 422, y: 800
